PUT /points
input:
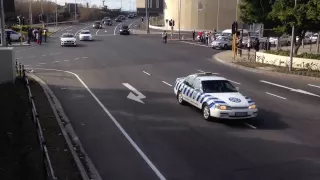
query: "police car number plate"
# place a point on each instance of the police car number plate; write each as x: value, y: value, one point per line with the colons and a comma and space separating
x: 241, y: 114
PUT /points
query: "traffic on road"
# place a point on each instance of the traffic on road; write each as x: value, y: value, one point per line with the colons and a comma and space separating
x: 123, y: 97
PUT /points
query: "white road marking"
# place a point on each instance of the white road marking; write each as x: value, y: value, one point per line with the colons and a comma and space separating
x: 84, y: 57
x: 233, y: 81
x: 313, y: 85
x: 76, y: 59
x: 291, y: 89
x: 55, y: 61
x: 249, y: 125
x: 133, y: 23
x: 97, y: 31
x: 166, y: 83
x: 146, y: 73
x: 276, y: 95
x: 27, y: 65
x: 66, y: 60
x: 105, y: 31
x: 115, y: 28
x: 132, y: 96
x: 42, y: 63
x: 194, y: 44
x: 121, y: 129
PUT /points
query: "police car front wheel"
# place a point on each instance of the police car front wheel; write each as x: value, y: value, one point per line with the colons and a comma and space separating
x: 180, y: 98
x: 206, y: 112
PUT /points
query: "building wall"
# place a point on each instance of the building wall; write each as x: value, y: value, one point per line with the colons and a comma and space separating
x: 141, y: 3
x: 201, y: 14
x: 155, y: 7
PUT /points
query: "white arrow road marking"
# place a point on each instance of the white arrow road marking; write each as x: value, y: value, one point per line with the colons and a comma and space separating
x: 132, y: 96
x: 313, y: 85
x: 291, y: 89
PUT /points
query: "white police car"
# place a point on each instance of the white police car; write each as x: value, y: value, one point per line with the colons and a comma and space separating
x: 215, y: 96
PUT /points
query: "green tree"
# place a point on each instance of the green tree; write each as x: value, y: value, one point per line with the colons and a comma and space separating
x: 304, y: 17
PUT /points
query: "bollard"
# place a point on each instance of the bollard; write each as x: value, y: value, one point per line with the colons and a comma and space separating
x: 17, y: 68
x: 23, y: 72
x: 20, y: 69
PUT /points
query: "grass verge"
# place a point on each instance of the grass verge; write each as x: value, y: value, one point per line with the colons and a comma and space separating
x: 268, y: 67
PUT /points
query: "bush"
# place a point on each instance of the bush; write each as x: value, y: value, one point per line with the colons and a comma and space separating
x: 287, y: 53
x: 24, y: 27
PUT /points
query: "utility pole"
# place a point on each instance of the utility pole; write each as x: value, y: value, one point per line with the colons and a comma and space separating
x: 56, y: 14
x: 3, y: 36
x: 218, y: 13
x: 75, y: 10
x: 30, y: 12
x: 292, y: 42
x: 147, y: 16
x: 237, y: 10
x: 179, y: 19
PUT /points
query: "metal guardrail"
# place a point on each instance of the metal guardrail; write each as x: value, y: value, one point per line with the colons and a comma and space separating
x: 21, y: 73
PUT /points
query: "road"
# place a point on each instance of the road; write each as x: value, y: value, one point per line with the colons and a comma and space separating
x: 160, y: 139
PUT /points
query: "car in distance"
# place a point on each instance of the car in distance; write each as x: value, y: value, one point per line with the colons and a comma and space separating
x: 85, y: 35
x: 215, y: 96
x: 124, y: 30
x: 118, y: 19
x: 68, y: 39
x: 222, y: 42
x: 107, y: 22
x: 97, y: 25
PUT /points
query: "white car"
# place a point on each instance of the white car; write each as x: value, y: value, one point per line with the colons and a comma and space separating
x: 222, y: 42
x: 15, y: 36
x: 314, y: 38
x: 284, y: 40
x: 68, y: 39
x: 215, y: 96
x: 85, y: 35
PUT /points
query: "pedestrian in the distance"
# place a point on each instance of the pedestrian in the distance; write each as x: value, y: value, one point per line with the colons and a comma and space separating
x: 38, y: 38
x: 29, y: 35
x: 8, y: 38
x: 45, y: 35
x: 193, y: 34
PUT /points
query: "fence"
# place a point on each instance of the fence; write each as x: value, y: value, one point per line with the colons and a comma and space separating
x: 21, y: 73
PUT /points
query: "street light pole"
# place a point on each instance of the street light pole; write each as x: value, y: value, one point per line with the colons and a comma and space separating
x: 56, y: 14
x: 179, y: 19
x: 75, y: 10
x: 237, y: 10
x: 3, y: 39
x: 147, y: 16
x: 30, y: 12
x: 292, y: 42
x: 218, y: 13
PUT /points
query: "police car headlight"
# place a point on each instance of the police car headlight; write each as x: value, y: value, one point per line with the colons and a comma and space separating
x: 253, y: 106
x: 223, y: 107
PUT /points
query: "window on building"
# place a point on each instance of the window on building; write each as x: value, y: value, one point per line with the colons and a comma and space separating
x: 157, y: 3
x: 150, y: 3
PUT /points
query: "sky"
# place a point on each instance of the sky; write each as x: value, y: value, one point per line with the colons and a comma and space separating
x: 113, y: 4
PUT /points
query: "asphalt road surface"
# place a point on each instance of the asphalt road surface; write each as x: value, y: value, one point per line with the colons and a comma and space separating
x: 160, y: 139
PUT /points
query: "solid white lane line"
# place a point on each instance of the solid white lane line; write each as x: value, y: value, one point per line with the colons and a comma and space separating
x: 121, y: 129
x: 146, y: 73
x: 313, y: 85
x: 249, y: 125
x: 166, y: 83
x: 234, y: 81
x: 97, y: 31
x: 194, y: 44
x: 115, y: 28
x: 276, y: 95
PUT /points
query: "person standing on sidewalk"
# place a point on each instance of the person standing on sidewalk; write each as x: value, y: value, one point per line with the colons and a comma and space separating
x: 29, y: 35
x: 45, y: 35
x: 37, y: 38
x: 40, y: 36
x: 8, y: 38
x: 193, y: 34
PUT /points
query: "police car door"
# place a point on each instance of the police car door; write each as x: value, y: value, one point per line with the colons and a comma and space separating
x: 188, y: 89
x: 196, y: 93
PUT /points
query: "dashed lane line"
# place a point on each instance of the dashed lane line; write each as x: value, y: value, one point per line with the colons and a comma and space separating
x: 65, y: 60
x: 313, y: 85
x: 55, y: 61
x: 76, y: 59
x: 146, y: 73
x: 276, y: 95
x: 166, y: 83
x: 249, y: 125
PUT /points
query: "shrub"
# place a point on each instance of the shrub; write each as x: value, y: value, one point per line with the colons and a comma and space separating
x: 287, y: 53
x: 24, y: 27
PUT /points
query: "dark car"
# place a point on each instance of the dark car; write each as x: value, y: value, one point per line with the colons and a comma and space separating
x: 97, y: 25
x: 118, y: 19
x: 130, y: 16
x: 108, y: 22
x: 124, y: 30
x: 122, y: 17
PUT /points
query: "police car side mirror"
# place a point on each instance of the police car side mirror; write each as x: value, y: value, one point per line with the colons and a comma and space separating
x: 237, y: 88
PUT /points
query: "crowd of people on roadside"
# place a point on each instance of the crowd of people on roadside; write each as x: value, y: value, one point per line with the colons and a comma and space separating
x: 37, y: 35
x: 205, y: 36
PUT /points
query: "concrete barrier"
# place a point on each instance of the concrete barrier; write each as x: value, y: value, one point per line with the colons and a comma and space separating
x: 299, y: 63
x: 7, y: 67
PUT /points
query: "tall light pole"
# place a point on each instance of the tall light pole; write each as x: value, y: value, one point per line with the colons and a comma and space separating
x: 147, y: 16
x: 292, y: 42
x: 237, y: 10
x: 30, y: 12
x: 179, y: 18
x: 3, y: 39
x: 218, y: 13
x: 75, y: 10
x: 56, y: 14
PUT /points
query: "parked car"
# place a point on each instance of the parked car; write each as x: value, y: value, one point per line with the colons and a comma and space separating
x: 314, y: 38
x: 284, y: 40
x: 15, y: 36
x: 222, y: 42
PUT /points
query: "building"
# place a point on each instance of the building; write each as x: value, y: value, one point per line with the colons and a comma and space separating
x: 155, y: 7
x: 9, y: 9
x: 202, y: 14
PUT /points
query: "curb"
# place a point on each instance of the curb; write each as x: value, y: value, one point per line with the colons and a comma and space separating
x: 87, y: 169
x: 214, y: 57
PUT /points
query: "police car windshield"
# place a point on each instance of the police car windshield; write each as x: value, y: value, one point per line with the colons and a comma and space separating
x: 220, y: 86
x: 86, y: 32
x: 67, y: 35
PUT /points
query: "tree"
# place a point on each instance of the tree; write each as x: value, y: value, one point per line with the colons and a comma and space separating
x: 304, y: 17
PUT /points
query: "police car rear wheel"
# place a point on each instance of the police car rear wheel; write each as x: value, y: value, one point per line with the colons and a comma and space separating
x: 206, y: 112
x: 180, y: 98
